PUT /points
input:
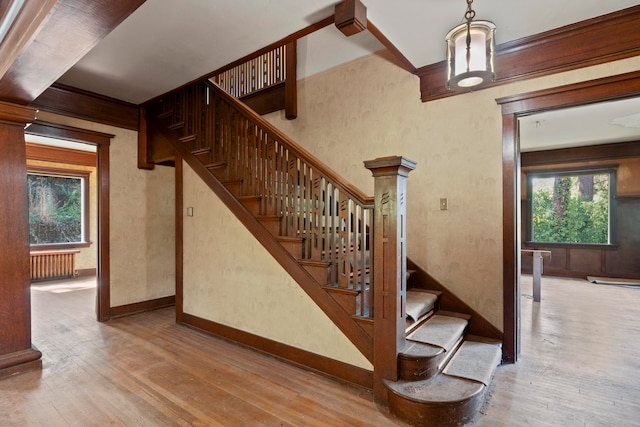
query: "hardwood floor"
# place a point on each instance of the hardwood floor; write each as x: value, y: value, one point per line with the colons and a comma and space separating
x: 580, y: 360
x: 580, y: 365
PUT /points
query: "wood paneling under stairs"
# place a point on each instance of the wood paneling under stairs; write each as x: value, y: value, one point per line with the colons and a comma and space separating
x: 579, y: 366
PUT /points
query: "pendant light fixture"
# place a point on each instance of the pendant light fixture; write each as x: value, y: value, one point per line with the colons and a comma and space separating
x: 470, y: 51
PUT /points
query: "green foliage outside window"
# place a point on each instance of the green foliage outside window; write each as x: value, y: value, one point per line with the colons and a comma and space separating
x: 55, y: 209
x: 571, y: 208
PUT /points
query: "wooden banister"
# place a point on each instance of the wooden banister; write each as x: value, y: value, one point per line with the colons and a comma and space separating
x: 299, y: 151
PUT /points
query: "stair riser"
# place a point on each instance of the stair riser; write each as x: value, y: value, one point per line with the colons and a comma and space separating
x: 414, y: 369
x: 272, y: 225
x: 435, y: 415
x: 253, y: 206
x: 319, y: 273
x: 219, y: 171
x: 235, y: 187
x: 294, y: 248
x: 350, y: 303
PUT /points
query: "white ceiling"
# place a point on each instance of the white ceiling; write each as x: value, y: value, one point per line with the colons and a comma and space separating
x: 166, y: 43
x: 602, y: 123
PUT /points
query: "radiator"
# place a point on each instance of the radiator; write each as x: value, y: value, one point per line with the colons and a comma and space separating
x: 53, y: 264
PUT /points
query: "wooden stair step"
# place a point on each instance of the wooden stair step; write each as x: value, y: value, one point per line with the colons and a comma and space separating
x: 271, y: 223
x: 176, y: 126
x: 347, y: 298
x: 292, y: 244
x: 475, y: 361
x: 365, y: 323
x: 252, y: 203
x: 201, y: 151
x: 440, y: 330
x: 419, y: 303
x: 319, y: 270
x: 188, y: 138
x: 233, y: 185
x: 217, y: 168
x: 439, y: 401
x: 164, y: 115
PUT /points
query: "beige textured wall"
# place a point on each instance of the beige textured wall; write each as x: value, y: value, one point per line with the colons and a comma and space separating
x: 142, y: 227
x: 371, y: 108
x: 229, y: 278
x: 87, y: 257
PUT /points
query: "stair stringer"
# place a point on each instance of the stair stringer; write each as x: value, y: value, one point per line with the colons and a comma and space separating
x: 343, y: 320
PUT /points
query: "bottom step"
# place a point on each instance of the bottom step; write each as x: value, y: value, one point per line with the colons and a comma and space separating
x: 452, y: 397
x: 439, y: 401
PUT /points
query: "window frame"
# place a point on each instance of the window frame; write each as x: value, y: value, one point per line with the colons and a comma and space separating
x: 85, y: 176
x: 548, y: 173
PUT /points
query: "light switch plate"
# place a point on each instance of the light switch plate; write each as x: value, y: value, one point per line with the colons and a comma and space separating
x: 444, y: 204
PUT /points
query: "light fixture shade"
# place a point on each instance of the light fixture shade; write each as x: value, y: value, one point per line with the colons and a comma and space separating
x: 463, y: 74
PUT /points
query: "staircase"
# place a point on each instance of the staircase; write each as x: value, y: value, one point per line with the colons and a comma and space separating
x: 322, y: 231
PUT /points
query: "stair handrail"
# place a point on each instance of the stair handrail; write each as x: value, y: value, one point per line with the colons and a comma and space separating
x: 350, y: 189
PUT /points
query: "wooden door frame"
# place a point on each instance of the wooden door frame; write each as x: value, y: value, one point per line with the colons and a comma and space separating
x: 605, y: 89
x: 102, y: 142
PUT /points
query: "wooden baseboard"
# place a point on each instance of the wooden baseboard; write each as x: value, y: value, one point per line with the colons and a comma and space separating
x: 139, y: 307
x: 86, y: 272
x: 20, y: 361
x: 325, y: 366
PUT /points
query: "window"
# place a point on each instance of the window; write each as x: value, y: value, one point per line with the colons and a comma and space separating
x: 572, y: 207
x: 58, y: 208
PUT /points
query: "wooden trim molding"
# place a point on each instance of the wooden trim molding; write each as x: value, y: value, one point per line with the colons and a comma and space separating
x: 68, y: 156
x: 51, y: 48
x: 179, y: 191
x: 591, y: 42
x: 81, y: 104
x: 102, y: 141
x: 312, y: 361
x: 68, y: 133
x: 85, y: 176
x: 399, y: 56
x: 142, y: 306
x: 605, y: 89
x: 578, y: 154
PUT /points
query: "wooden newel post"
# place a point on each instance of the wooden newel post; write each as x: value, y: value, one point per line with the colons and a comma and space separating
x: 389, y: 267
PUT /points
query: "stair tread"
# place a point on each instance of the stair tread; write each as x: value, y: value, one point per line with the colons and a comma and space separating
x: 289, y: 239
x: 440, y: 330
x: 414, y: 349
x: 437, y: 390
x: 474, y: 361
x: 419, y: 303
x: 216, y: 165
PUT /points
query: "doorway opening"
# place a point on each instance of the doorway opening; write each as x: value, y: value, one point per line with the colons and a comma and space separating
x: 99, y: 143
x: 514, y: 108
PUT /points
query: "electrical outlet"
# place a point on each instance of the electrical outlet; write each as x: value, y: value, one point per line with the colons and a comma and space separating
x: 444, y: 204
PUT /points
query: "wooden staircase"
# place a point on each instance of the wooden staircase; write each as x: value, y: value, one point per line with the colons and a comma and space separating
x: 443, y: 373
x: 320, y: 230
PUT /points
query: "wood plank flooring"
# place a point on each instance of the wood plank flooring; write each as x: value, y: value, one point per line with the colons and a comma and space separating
x: 580, y: 366
x: 580, y: 360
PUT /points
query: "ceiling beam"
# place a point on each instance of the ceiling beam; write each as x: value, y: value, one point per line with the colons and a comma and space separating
x: 52, y: 36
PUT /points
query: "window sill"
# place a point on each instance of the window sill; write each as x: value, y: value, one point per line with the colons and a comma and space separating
x: 541, y: 245
x: 54, y: 246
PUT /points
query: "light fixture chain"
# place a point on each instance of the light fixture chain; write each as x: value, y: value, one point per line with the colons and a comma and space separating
x: 470, y: 13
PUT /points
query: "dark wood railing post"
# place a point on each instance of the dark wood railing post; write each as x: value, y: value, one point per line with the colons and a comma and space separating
x: 389, y: 267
